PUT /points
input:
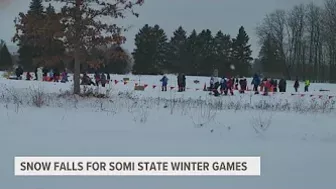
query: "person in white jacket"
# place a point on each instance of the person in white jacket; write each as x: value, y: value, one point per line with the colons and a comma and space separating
x: 39, y: 74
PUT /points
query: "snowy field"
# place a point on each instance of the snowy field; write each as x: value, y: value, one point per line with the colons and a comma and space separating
x: 294, y: 133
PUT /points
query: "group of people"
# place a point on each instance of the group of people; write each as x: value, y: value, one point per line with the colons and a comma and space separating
x: 51, y: 75
x: 227, y: 85
x: 43, y: 74
x: 100, y: 79
x: 265, y: 85
x: 271, y: 85
x: 181, y: 82
x: 297, y: 85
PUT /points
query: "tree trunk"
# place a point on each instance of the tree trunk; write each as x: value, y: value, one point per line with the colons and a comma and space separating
x: 77, y: 72
x: 77, y: 49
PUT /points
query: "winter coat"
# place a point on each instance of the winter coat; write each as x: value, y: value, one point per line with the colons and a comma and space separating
x: 230, y: 83
x: 296, y: 84
x: 268, y: 85
x: 103, y: 78
x: 180, y: 80
x: 97, y: 76
x: 275, y: 83
x: 164, y: 81
x: 64, y: 77
x: 183, y: 80
x: 19, y: 71
x: 307, y: 83
x: 282, y: 83
x: 28, y: 76
x: 51, y: 73
x: 86, y: 80
x: 243, y: 84
x: 256, y: 80
x: 223, y: 83
x: 40, y: 74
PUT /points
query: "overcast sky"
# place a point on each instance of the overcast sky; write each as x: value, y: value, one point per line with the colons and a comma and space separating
x: 225, y: 15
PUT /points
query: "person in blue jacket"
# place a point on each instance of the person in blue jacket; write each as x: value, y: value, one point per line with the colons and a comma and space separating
x: 223, y: 86
x: 164, y: 81
x: 255, y: 82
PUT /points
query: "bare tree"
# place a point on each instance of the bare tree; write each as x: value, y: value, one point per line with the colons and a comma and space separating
x: 329, y: 27
x: 295, y: 20
x: 275, y: 26
x: 306, y: 37
x: 313, y: 25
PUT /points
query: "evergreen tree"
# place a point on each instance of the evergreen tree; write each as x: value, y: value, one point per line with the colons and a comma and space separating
x: 192, y: 54
x: 177, y: 51
x: 270, y: 58
x: 5, y: 58
x: 27, y: 50
x: 150, y: 52
x: 222, y: 51
x: 241, y: 53
x: 205, y: 42
x: 36, y: 7
x: 50, y: 10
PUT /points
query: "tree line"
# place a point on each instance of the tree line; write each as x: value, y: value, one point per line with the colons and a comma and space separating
x: 41, y: 31
x: 195, y: 54
x: 300, y: 42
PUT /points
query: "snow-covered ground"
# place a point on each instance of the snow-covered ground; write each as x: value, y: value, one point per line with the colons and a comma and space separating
x: 294, y: 134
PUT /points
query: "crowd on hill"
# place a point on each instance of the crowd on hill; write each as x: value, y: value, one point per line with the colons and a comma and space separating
x: 218, y: 86
x: 54, y: 75
x: 43, y: 74
x: 265, y: 85
x: 226, y: 85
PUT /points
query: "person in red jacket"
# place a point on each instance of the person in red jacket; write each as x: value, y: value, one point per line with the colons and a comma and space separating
x: 230, y: 85
x: 267, y: 87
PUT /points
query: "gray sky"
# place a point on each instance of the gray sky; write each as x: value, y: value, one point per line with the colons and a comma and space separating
x: 225, y: 15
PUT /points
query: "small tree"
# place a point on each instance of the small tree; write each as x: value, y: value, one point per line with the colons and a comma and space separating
x: 6, y: 61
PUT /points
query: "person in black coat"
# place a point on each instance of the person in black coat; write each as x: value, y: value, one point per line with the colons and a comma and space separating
x: 282, y: 85
x: 296, y: 84
x: 108, y: 78
x: 103, y: 79
x: 183, y: 82
x: 19, y: 72
x: 35, y: 72
x: 243, y: 85
x: 275, y: 85
x: 180, y: 82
